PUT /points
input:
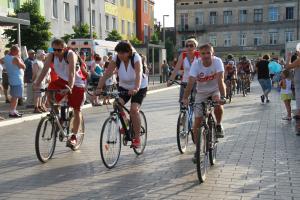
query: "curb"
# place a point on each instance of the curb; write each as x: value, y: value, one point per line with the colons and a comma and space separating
x: 39, y: 116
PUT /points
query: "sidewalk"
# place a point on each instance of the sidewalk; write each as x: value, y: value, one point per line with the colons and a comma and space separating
x: 154, y: 84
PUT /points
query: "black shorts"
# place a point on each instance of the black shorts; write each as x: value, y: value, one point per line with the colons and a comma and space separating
x: 137, y: 98
x: 229, y: 77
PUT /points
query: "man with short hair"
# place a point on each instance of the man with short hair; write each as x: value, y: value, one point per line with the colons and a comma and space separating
x: 28, y: 77
x: 15, y: 69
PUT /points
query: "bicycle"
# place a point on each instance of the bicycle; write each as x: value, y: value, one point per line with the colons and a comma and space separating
x: 119, y: 132
x: 54, y: 125
x: 243, y: 83
x: 184, y: 124
x: 206, y: 145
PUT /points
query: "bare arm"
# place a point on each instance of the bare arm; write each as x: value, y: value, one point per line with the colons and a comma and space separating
x: 107, y: 73
x: 34, y: 71
x: 18, y: 61
x: 220, y: 78
x: 189, y: 87
x: 177, y: 67
x: 44, y: 70
x: 72, y: 59
x: 293, y: 65
x: 138, y: 73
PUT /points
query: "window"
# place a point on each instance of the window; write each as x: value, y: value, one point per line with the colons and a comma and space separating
x: 273, y: 38
x: 258, y: 15
x: 145, y: 6
x: 134, y: 28
x: 146, y: 31
x: 128, y: 3
x: 107, y: 22
x: 213, y: 18
x: 134, y: 4
x: 273, y: 14
x: 122, y: 2
x: 93, y: 18
x: 152, y: 12
x: 257, y: 39
x: 183, y: 38
x: 227, y: 40
x: 77, y: 15
x: 243, y: 16
x: 100, y: 26
x: 54, y: 11
x: 289, y: 36
x: 67, y: 11
x: 227, y: 17
x: 289, y: 13
x: 184, y: 21
x: 123, y: 26
x: 213, y: 40
x: 199, y: 18
x: 12, y: 4
x: 128, y: 28
x: 114, y: 22
x: 243, y: 39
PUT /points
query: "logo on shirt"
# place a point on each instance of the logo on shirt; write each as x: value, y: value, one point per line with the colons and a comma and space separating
x: 204, y: 78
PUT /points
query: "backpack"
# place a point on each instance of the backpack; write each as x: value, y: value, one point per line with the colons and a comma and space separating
x: 118, y: 63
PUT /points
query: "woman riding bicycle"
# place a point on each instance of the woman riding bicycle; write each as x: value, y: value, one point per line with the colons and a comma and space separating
x: 132, y: 82
x: 184, y: 64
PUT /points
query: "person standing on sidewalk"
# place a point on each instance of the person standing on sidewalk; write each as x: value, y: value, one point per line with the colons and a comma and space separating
x: 5, y: 83
x: 28, y: 77
x: 263, y: 76
x: 15, y: 69
x: 286, y: 93
x: 165, y: 71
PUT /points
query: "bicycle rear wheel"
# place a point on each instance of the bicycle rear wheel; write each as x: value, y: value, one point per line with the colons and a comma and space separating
x: 213, y: 141
x: 143, y: 135
x: 182, y: 132
x: 80, y: 133
x: 45, y: 139
x: 110, y: 142
x: 201, y: 155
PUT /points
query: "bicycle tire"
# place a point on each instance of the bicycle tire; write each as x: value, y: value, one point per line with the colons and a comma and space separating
x: 80, y: 134
x: 213, y: 141
x: 143, y: 135
x: 243, y: 88
x: 44, y: 121
x: 182, y: 132
x: 201, y: 155
x: 105, y: 146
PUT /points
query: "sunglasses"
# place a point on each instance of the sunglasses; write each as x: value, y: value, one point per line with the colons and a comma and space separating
x: 189, y: 46
x: 58, y: 50
x: 206, y: 53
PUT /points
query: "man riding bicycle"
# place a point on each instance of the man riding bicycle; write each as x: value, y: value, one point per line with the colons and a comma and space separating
x: 71, y: 76
x: 133, y: 83
x: 244, y: 70
x: 230, y: 74
x: 208, y: 72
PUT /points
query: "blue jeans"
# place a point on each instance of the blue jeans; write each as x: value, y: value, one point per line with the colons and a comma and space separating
x: 266, y: 86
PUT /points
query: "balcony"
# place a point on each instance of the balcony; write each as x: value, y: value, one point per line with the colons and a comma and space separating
x: 191, y: 29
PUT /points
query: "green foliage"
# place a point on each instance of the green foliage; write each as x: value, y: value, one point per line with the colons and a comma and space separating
x: 135, y: 41
x: 114, y: 36
x: 35, y: 36
x: 81, y: 31
x: 154, y: 38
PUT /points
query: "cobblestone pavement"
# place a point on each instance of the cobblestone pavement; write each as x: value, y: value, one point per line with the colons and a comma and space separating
x: 258, y: 159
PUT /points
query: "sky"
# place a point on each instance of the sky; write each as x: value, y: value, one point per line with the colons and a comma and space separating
x: 164, y: 7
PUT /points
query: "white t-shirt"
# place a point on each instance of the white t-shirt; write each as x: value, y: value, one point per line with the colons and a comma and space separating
x: 186, y: 68
x: 288, y: 89
x: 127, y: 77
x: 207, y: 76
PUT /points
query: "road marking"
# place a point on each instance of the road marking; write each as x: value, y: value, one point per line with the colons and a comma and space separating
x: 162, y: 90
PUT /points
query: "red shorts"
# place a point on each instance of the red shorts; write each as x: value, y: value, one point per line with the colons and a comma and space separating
x: 75, y: 100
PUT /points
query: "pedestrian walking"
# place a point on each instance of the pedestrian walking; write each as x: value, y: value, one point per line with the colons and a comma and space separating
x: 15, y: 69
x: 28, y: 78
x: 263, y: 76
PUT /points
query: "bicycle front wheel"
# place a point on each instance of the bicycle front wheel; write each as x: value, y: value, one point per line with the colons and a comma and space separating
x: 213, y: 141
x: 182, y: 132
x: 45, y: 139
x: 201, y: 155
x: 143, y: 135
x: 80, y: 133
x: 110, y: 142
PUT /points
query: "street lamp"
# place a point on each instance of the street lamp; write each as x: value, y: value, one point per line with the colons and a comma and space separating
x: 164, y: 33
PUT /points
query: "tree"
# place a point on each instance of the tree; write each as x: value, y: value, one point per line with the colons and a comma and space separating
x: 170, y: 48
x: 81, y: 31
x: 135, y: 41
x: 154, y: 38
x: 114, y: 36
x: 35, y: 36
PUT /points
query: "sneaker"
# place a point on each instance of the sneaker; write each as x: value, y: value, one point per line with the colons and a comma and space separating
x: 219, y: 131
x: 268, y: 101
x: 14, y: 115
x: 136, y: 143
x: 72, y: 141
x: 262, y: 98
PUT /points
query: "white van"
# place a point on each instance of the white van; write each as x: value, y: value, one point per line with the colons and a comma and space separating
x: 92, y: 47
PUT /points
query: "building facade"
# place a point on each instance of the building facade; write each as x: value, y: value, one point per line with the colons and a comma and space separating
x: 145, y: 19
x: 250, y: 27
x: 63, y: 15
